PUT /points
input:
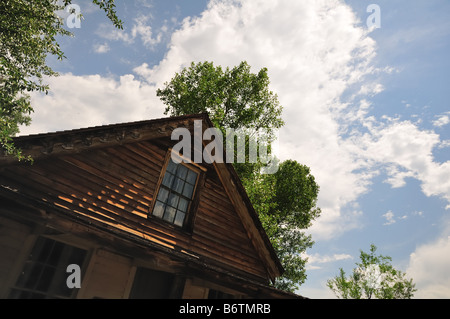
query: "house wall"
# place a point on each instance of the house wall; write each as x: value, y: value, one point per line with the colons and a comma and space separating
x: 114, y: 187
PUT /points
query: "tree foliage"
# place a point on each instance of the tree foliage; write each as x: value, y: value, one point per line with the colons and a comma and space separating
x: 28, y: 34
x: 286, y: 205
x: 233, y: 98
x: 239, y: 99
x: 374, y: 277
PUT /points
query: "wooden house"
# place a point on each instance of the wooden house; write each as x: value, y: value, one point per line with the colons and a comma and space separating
x: 109, y: 205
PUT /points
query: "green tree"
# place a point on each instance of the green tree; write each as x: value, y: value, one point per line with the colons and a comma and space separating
x: 237, y: 98
x: 374, y: 277
x: 233, y: 98
x: 28, y: 34
x: 286, y: 205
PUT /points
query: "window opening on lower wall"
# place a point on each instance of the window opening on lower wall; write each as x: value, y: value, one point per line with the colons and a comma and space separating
x: 44, y: 273
x: 152, y: 284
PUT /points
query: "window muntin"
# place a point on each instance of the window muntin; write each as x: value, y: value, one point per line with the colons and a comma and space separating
x: 175, y: 193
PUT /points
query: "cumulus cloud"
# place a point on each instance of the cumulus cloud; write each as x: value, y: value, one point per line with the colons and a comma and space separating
x: 407, y: 151
x: 83, y: 101
x: 429, y: 268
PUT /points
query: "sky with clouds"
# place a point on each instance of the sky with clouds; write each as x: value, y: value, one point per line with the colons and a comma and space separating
x: 366, y: 107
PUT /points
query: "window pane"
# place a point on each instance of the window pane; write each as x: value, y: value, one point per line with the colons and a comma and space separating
x: 55, y: 254
x: 31, y: 275
x: 168, y: 179
x: 179, y: 219
x: 182, y: 171
x: 77, y: 256
x: 46, y: 279
x: 183, y: 205
x: 41, y: 251
x: 188, y: 190
x: 60, y: 282
x: 173, y: 200
x: 172, y: 167
x: 191, y: 177
x: 178, y: 185
x: 158, y: 211
x: 163, y: 194
x: 169, y: 214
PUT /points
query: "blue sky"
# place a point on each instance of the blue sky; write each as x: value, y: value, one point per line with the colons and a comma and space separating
x: 367, y: 109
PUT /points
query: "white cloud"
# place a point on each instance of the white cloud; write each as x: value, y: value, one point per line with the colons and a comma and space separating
x: 101, y: 48
x: 371, y: 89
x: 444, y: 144
x: 389, y: 218
x: 82, y: 101
x: 141, y: 28
x: 442, y: 121
x: 407, y: 152
x: 315, y: 259
x: 429, y: 268
x: 109, y: 32
x: 396, y: 176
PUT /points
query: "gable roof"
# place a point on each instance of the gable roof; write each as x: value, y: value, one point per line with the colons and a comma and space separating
x: 48, y: 145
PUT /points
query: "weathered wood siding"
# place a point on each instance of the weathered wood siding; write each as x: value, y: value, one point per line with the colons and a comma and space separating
x: 109, y: 276
x: 13, y: 237
x: 116, y: 185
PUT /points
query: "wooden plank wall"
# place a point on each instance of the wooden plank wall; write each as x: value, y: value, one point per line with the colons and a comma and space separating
x: 13, y: 237
x: 115, y: 185
x: 109, y: 276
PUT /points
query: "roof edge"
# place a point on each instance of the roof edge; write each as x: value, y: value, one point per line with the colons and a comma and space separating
x: 72, y: 141
x: 88, y: 129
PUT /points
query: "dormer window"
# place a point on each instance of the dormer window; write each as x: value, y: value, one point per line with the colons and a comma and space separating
x: 176, y: 193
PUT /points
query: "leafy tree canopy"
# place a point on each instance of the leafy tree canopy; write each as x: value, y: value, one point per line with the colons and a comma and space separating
x: 233, y: 98
x: 286, y: 204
